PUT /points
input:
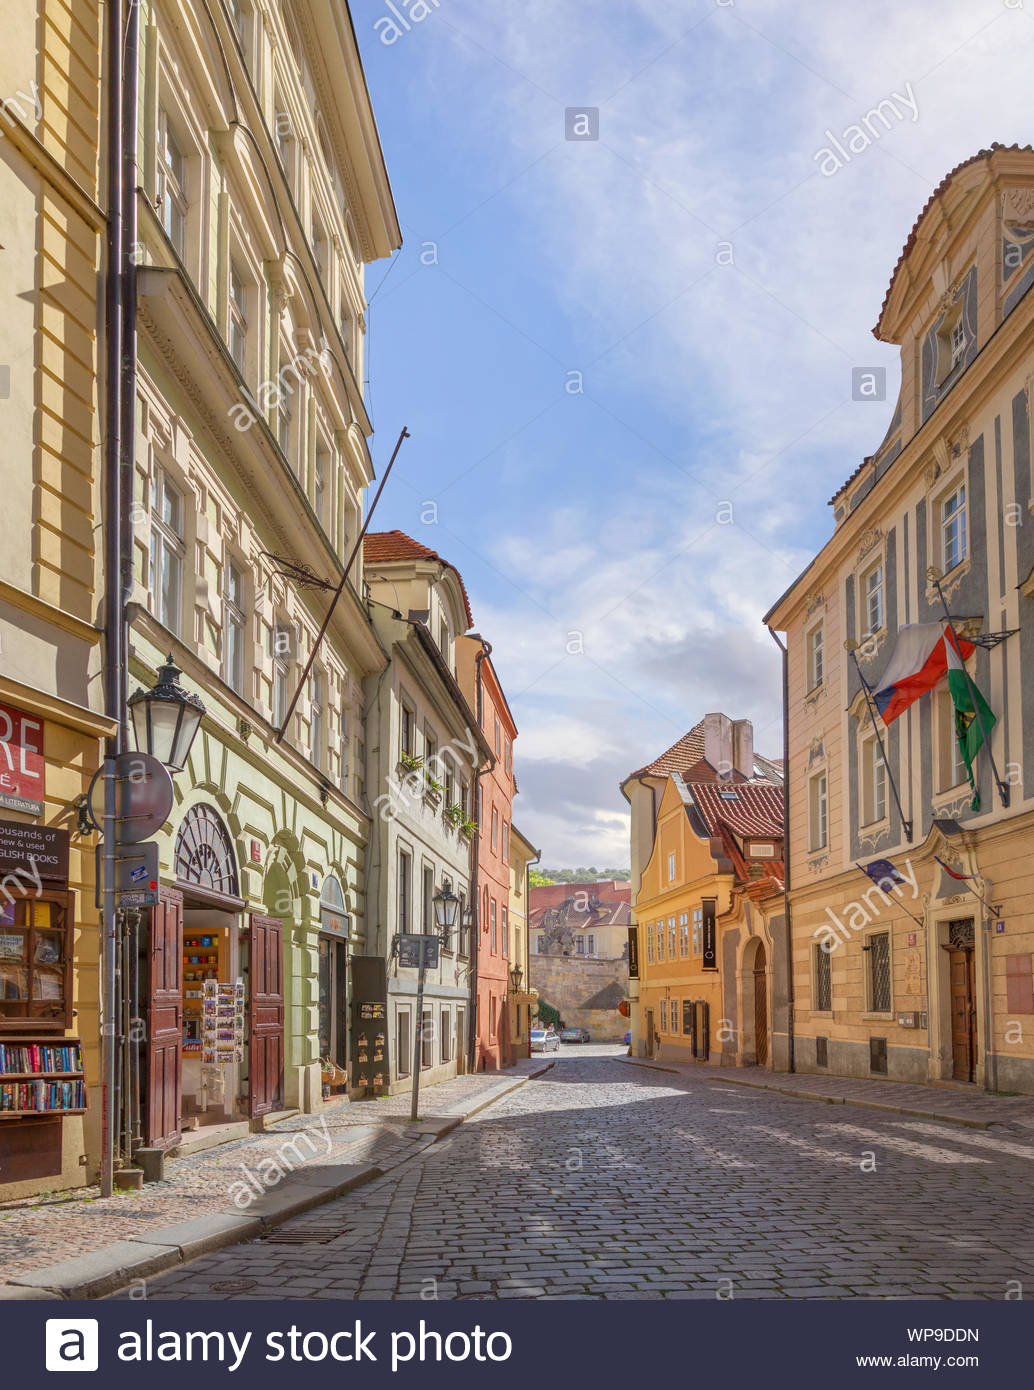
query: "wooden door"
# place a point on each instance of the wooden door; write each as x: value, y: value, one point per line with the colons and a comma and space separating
x: 266, y: 1015
x: 963, y: 1015
x: 760, y: 1007
x: 165, y: 1021
x: 651, y: 1036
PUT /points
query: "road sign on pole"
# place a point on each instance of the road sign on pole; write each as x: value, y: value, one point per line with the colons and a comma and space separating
x: 143, y: 796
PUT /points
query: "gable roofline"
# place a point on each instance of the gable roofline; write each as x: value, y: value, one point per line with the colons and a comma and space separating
x: 395, y: 547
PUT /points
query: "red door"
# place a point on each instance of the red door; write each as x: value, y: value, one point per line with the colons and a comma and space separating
x: 266, y: 972
x: 165, y: 1021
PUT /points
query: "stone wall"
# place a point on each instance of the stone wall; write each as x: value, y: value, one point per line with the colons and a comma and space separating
x: 586, y: 993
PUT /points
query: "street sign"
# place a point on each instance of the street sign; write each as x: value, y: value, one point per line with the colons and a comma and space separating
x: 143, y: 796
x: 136, y: 875
x: 419, y: 951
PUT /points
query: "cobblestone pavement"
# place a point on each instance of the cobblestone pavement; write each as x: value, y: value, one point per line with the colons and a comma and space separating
x: 602, y: 1180
x: 40, y: 1231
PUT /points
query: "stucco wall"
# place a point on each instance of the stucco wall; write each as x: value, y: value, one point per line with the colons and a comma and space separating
x: 574, y: 986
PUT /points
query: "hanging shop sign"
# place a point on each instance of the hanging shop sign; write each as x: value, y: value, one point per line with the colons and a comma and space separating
x: 419, y: 951
x: 33, y: 850
x: 369, y: 1032
x: 709, y: 906
x: 21, y: 762
x: 633, y: 953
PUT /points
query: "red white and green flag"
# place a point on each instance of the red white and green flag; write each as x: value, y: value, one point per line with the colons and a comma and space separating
x: 972, y: 714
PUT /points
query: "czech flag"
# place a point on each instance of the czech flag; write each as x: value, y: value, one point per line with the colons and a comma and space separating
x: 919, y: 662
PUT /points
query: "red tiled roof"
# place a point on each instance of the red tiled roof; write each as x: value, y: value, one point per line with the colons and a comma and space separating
x: 381, y: 547
x: 757, y: 810
x: 951, y: 174
x: 605, y: 891
x: 680, y: 756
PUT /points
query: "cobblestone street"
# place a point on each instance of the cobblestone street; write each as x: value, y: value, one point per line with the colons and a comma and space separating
x: 605, y: 1180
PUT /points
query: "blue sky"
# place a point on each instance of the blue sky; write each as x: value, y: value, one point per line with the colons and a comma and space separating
x: 626, y: 363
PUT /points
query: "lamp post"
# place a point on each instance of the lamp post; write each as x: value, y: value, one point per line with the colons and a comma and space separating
x: 446, y: 905
x: 166, y: 718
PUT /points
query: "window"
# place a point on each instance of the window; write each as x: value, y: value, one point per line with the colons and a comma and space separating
x: 506, y: 842
x: 504, y: 930
x: 320, y: 474
x: 498, y: 738
x: 957, y: 339
x: 426, y: 1040
x: 427, y: 902
x: 951, y: 767
x: 664, y: 1015
x: 953, y: 528
x: 649, y: 943
x: 816, y: 666
x: 36, y: 962
x: 430, y: 754
x: 698, y: 931
x: 818, y: 828
x: 673, y: 1015
x: 449, y: 779
x: 403, y: 1045
x: 464, y: 925
x: 659, y: 929
x: 404, y: 890
x: 509, y: 758
x: 443, y: 638
x: 872, y: 595
x: 406, y: 726
x: 540, y: 946
x: 172, y: 184
x: 445, y: 1029
x: 234, y: 627
x: 579, y: 945
x: 823, y: 980
x: 495, y: 828
x: 671, y: 868
x: 343, y: 760
x: 590, y: 945
x: 281, y: 652
x: 238, y: 320
x: 494, y: 933
x: 283, y: 425
x: 878, y: 949
x: 874, y: 781
x: 318, y: 685
x: 684, y: 935
x: 319, y: 248
x: 672, y: 939
x: 165, y: 571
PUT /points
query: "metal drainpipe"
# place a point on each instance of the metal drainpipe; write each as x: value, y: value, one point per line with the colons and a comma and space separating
x: 113, y: 599
x: 527, y: 933
x: 786, y: 850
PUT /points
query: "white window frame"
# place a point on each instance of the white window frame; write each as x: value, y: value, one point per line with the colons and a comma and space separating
x: 953, y: 526
x: 237, y: 318
x: 818, y: 811
x: 235, y: 626
x: 872, y: 781
x: 874, y: 614
x: 671, y: 867
x: 816, y: 656
x: 172, y: 184
x: 317, y: 710
x: 167, y: 550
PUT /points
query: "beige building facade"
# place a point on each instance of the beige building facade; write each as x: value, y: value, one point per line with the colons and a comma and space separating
x: 928, y: 978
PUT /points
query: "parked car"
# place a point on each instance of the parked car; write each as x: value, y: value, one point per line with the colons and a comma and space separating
x: 544, y: 1040
x: 578, y: 1035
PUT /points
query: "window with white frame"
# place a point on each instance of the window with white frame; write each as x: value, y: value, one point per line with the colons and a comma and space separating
x: 816, y: 657
x: 873, y: 773
x: 320, y: 478
x: 684, y: 935
x: 818, y: 824
x: 673, y: 941
x: 238, y: 319
x: 281, y: 644
x: 664, y: 1015
x: 317, y: 705
x: 671, y: 868
x: 953, y: 528
x: 649, y: 944
x: 493, y: 927
x: 495, y: 828
x: 343, y: 752
x: 698, y: 931
x: 172, y: 184
x: 872, y: 600
x: 234, y: 627
x: 659, y: 929
x: 957, y: 339
x: 579, y: 945
x: 590, y: 944
x: 165, y: 565
x: 506, y: 842
x: 504, y: 930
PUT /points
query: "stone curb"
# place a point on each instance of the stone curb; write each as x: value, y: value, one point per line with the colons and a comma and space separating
x: 966, y: 1122
x: 104, y: 1272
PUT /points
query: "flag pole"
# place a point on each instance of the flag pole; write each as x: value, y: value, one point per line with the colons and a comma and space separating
x: 1003, y: 790
x: 992, y: 908
x: 879, y: 884
x: 906, y: 825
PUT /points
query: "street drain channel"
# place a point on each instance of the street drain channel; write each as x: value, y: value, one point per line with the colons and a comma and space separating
x: 307, y: 1233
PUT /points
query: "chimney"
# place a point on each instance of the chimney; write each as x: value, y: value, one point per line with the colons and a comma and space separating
x: 718, y: 747
x: 743, y: 747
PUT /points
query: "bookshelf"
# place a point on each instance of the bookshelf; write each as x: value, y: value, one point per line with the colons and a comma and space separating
x: 204, y: 958
x: 41, y: 1076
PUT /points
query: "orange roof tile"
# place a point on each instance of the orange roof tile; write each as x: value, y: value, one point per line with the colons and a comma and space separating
x: 381, y: 547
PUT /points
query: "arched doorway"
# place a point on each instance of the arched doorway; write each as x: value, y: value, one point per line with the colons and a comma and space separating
x: 760, y: 1005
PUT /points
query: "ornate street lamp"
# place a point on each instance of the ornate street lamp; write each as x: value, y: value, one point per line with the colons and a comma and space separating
x: 446, y: 905
x: 166, y: 718
x: 516, y: 975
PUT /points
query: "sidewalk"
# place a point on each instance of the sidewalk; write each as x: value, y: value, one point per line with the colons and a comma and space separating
x: 80, y: 1245
x: 949, y: 1103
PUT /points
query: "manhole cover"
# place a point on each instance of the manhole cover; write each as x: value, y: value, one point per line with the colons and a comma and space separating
x: 234, y: 1285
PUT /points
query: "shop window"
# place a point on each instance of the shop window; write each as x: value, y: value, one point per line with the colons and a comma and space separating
x: 36, y: 963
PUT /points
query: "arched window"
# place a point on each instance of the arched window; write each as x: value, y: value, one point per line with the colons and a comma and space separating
x: 331, y: 894
x: 204, y: 852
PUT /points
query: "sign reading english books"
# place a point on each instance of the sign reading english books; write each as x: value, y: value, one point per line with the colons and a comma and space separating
x: 36, y: 849
x: 21, y: 762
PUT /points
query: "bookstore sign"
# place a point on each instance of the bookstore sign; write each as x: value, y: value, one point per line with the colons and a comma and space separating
x: 21, y: 762
x: 35, y: 851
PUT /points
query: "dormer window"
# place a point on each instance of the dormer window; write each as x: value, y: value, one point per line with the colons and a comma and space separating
x: 951, y: 344
x: 729, y: 795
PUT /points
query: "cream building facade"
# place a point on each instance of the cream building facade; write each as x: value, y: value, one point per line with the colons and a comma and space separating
x: 51, y: 696
x: 263, y: 196
x: 523, y: 855
x: 931, y: 979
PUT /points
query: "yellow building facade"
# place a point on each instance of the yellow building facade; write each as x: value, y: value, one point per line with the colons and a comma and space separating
x: 51, y: 725
x: 927, y: 978
x: 521, y: 1001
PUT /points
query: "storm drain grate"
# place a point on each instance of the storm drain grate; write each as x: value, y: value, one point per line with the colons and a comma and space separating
x: 307, y: 1233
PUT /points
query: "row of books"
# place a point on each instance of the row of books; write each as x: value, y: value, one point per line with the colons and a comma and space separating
x: 40, y: 1057
x: 43, y: 1095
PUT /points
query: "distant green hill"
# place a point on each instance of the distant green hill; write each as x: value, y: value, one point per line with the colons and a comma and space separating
x: 540, y: 877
